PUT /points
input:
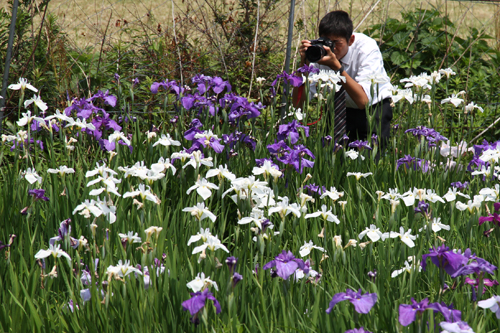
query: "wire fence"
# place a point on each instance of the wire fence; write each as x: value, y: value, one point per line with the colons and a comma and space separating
x: 86, y: 24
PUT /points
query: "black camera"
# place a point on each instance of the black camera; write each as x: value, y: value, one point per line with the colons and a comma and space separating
x: 316, y: 51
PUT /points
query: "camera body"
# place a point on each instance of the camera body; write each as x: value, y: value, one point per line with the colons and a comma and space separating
x: 316, y: 51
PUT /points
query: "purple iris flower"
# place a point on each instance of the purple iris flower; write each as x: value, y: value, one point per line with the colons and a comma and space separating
x: 35, y: 126
x: 231, y: 263
x: 197, y: 302
x: 293, y: 80
x: 72, y: 306
x: 200, y: 102
x: 228, y: 99
x: 64, y: 232
x: 272, y: 92
x: 236, y: 278
x: 78, y: 105
x: 237, y: 136
x: 193, y: 130
x: 296, y: 158
x: 459, y: 185
x: 217, y: 84
x: 256, y: 270
x: 407, y: 161
x: 306, y: 70
x: 240, y: 107
x: 306, y: 269
x: 104, y: 123
x: 408, y: 312
x: 216, y: 145
x: 496, y: 206
x: 360, y: 145
x: 203, y: 81
x: 249, y: 141
x: 315, y: 190
x: 231, y: 139
x: 135, y: 82
x: 362, y: 302
x: 278, y: 148
x: 422, y: 208
x: 442, y: 257
x: 38, y: 194
x: 21, y: 144
x: 291, y: 130
x: 450, y: 315
x: 495, y: 218
x: 200, y: 143
x: 325, y: 141
x: 476, y: 163
x: 430, y: 134
x: 486, y: 283
x: 106, y: 97
x: 477, y: 266
x: 286, y: 264
x: 478, y: 149
x: 86, y: 277
x: 170, y: 86
x: 358, y: 330
x: 423, y: 165
x: 107, y: 145
x: 266, y: 224
x: 188, y: 101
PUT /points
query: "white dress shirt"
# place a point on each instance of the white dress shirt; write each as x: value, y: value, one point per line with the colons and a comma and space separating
x: 362, y: 62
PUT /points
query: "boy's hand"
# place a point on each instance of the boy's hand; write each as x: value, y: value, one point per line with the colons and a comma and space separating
x: 330, y: 59
x: 302, y: 51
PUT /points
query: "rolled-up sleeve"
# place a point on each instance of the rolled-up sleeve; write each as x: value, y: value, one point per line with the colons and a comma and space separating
x: 370, y: 63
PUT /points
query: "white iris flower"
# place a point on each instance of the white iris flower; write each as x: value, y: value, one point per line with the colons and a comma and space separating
x: 373, y: 233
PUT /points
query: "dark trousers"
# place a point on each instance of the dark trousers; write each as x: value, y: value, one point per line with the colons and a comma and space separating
x: 357, y: 124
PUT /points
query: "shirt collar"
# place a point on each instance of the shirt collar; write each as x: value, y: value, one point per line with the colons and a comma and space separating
x: 346, y: 60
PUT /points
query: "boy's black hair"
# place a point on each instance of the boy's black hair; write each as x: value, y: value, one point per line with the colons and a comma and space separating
x: 336, y: 23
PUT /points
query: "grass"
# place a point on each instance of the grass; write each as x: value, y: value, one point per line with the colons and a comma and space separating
x: 86, y: 22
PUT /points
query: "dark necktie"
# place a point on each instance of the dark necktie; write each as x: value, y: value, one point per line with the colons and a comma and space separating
x: 339, y: 128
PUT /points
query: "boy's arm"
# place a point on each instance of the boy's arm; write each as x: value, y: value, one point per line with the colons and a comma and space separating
x: 355, y: 91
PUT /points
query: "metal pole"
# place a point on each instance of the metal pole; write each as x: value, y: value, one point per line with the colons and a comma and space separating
x: 7, y: 60
x: 288, y: 55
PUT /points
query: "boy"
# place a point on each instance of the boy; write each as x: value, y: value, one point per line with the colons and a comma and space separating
x: 358, y: 59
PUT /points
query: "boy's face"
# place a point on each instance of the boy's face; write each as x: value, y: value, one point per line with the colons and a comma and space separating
x: 341, y: 45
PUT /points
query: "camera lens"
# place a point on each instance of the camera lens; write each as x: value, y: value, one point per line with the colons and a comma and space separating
x: 314, y: 53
